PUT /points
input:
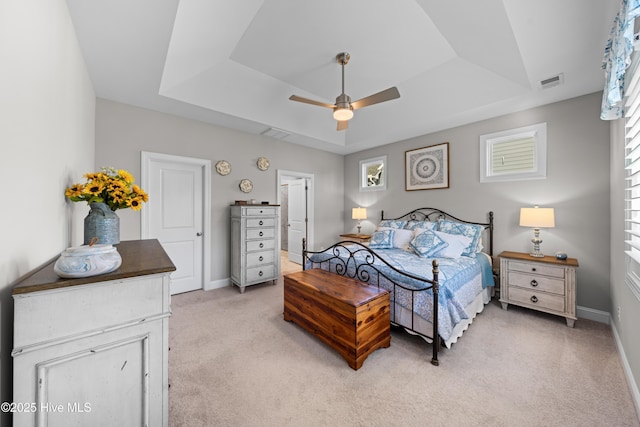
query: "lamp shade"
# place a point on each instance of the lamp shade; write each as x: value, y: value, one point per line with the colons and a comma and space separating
x: 342, y: 114
x: 537, y: 217
x: 359, y: 213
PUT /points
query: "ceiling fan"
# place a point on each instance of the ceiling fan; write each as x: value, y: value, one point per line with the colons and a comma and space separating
x: 343, y: 108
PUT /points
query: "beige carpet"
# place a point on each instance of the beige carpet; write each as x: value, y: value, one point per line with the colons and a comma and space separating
x: 235, y: 362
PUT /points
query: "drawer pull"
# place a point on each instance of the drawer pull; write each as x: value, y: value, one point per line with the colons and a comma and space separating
x: 261, y: 234
x: 260, y: 259
x: 534, y: 299
x: 260, y: 274
x: 534, y: 283
x: 262, y: 245
x: 261, y: 223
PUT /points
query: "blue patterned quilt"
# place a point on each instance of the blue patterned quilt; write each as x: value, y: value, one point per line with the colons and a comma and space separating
x: 456, y: 279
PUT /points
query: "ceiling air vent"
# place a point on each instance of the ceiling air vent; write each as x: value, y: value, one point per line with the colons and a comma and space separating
x: 276, y: 133
x: 552, y: 81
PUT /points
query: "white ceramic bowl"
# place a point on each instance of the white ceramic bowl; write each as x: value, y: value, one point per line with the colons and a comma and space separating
x: 85, y: 261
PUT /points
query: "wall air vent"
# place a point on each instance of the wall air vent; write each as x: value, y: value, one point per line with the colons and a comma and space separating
x: 552, y: 81
x: 276, y: 133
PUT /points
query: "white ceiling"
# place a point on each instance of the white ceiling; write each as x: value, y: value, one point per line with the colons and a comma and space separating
x: 235, y: 63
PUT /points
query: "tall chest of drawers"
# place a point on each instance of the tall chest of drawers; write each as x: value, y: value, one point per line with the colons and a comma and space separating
x: 255, y: 244
x: 543, y: 284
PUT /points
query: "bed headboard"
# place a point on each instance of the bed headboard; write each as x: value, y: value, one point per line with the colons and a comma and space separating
x: 433, y: 214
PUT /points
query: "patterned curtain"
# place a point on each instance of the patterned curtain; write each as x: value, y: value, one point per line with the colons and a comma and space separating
x: 617, y: 57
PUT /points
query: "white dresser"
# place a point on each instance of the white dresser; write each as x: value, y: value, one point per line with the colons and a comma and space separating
x: 94, y: 351
x: 543, y: 284
x: 255, y: 244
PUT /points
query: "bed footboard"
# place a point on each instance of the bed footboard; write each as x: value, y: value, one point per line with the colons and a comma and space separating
x: 354, y: 260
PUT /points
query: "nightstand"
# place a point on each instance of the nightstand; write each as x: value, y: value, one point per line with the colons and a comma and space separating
x: 544, y: 284
x: 360, y: 238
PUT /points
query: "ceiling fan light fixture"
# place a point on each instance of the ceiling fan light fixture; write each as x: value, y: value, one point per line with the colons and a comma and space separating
x: 341, y: 114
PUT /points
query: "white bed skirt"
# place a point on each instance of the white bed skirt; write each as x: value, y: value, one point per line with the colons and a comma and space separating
x: 424, y: 327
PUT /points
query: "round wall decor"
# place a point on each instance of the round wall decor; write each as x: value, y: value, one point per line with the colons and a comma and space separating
x: 263, y: 163
x: 223, y: 167
x: 246, y: 186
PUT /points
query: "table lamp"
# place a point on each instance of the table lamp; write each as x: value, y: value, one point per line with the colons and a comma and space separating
x: 537, y: 218
x: 359, y: 214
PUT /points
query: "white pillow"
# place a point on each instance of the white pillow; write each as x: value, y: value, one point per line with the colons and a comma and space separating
x: 457, y: 244
x: 401, y: 237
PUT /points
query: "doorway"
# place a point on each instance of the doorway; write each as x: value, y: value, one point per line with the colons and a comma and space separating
x: 295, y: 195
x: 178, y: 214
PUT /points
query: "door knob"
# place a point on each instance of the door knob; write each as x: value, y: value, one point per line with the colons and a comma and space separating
x: 199, y: 234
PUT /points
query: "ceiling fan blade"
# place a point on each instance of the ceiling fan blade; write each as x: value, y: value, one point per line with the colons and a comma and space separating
x: 385, y: 95
x: 343, y: 124
x: 311, y: 101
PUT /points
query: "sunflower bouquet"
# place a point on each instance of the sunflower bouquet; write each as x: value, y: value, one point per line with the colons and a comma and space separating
x: 114, y: 187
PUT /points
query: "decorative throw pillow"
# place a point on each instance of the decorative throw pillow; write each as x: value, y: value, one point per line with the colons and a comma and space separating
x: 457, y: 243
x: 427, y: 225
x: 382, y: 239
x: 401, y: 237
x: 392, y: 223
x: 470, y: 230
x: 427, y: 243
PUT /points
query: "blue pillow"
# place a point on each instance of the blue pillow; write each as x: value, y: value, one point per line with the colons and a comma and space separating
x: 392, y: 223
x: 470, y: 230
x: 427, y: 225
x: 382, y: 239
x: 427, y: 243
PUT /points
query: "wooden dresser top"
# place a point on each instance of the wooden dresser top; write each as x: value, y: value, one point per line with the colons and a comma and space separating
x: 139, y: 258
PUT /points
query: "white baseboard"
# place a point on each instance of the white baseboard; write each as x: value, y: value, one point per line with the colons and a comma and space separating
x: 633, y: 387
x: 216, y: 284
x: 593, y: 314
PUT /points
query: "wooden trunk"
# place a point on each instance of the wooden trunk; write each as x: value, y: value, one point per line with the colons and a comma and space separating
x: 350, y: 316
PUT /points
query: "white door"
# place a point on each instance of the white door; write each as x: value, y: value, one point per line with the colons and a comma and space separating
x: 297, y: 218
x: 175, y: 218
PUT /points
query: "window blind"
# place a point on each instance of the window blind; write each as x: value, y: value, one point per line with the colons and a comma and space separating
x: 632, y: 181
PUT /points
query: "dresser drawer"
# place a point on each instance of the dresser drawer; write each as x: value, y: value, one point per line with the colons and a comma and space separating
x: 261, y: 233
x: 260, y: 211
x: 266, y: 272
x: 534, y: 282
x: 545, y: 270
x: 260, y: 258
x: 258, y: 245
x: 261, y: 222
x: 536, y: 299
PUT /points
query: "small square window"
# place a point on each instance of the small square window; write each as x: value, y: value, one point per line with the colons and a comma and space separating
x: 516, y: 154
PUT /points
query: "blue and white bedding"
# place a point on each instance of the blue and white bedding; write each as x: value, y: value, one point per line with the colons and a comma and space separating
x: 461, y: 280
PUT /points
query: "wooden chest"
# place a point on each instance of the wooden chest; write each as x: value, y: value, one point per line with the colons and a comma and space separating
x: 350, y: 316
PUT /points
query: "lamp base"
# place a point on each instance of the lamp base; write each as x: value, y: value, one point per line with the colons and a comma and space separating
x: 536, y: 244
x: 536, y: 254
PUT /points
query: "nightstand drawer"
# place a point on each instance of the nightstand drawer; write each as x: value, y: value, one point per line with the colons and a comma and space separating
x: 538, y: 268
x: 537, y: 299
x: 539, y: 283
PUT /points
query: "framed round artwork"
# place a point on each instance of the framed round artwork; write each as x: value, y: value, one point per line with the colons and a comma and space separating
x: 223, y: 167
x: 246, y: 186
x: 263, y: 163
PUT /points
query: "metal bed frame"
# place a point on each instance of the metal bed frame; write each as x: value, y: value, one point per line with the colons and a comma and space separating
x: 364, y: 270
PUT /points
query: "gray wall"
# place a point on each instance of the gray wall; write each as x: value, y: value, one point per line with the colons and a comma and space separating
x: 123, y: 131
x: 577, y: 186
x: 47, y: 107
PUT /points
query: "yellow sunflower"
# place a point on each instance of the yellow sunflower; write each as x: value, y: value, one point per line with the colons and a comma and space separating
x: 74, y: 191
x: 135, y: 203
x: 128, y: 178
x: 93, y: 188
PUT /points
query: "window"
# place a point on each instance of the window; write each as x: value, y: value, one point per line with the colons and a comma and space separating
x: 632, y: 182
x: 373, y: 174
x: 515, y: 154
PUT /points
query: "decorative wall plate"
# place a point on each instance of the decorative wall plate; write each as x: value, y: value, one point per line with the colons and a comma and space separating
x: 223, y: 167
x: 246, y: 186
x: 263, y: 163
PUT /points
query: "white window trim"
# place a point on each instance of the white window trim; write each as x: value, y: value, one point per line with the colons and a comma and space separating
x: 538, y: 131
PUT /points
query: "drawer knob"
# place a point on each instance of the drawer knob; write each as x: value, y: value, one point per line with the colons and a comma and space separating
x: 260, y: 273
x: 260, y: 259
x: 261, y: 233
x: 262, y: 245
x: 261, y: 223
x: 534, y: 299
x: 533, y: 269
x: 534, y: 283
